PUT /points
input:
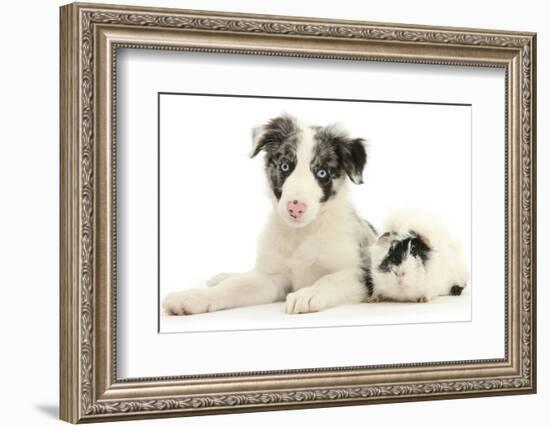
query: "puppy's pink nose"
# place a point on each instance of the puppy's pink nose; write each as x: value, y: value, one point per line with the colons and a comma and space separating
x: 400, y: 274
x: 296, y: 209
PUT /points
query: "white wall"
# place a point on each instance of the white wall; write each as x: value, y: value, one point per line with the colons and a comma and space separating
x: 29, y: 211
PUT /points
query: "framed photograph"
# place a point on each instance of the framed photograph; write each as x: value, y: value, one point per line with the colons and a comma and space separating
x: 267, y: 212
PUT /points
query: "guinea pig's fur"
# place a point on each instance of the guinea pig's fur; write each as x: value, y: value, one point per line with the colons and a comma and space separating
x: 416, y: 259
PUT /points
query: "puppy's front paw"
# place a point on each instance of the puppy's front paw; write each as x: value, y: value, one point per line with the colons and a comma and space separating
x: 192, y: 301
x: 305, y: 300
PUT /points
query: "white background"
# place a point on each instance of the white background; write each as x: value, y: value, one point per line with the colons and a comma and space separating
x: 29, y: 227
x: 213, y: 197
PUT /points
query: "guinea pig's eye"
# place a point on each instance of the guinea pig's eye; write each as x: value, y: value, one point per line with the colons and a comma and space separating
x: 284, y: 167
x: 322, y: 173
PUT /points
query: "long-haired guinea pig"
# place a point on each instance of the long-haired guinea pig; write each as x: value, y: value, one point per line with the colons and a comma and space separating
x: 415, y: 259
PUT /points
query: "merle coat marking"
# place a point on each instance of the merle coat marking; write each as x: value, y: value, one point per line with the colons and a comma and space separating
x: 313, y: 250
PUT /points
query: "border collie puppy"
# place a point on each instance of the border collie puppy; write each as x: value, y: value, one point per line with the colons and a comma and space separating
x: 313, y: 250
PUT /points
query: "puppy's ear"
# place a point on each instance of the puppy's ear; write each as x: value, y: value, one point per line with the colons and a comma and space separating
x: 275, y: 131
x: 353, y: 156
x: 258, y: 140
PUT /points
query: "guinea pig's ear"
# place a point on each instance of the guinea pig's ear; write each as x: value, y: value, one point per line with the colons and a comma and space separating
x: 275, y: 131
x: 422, y: 238
x: 383, y: 238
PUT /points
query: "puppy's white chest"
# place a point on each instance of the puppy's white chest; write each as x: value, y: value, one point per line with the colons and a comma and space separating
x: 305, y: 266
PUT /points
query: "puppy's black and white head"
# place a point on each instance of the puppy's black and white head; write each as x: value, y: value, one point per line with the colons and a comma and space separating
x: 306, y: 166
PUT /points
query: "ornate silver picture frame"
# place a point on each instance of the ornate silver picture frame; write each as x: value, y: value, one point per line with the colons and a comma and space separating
x: 91, y: 35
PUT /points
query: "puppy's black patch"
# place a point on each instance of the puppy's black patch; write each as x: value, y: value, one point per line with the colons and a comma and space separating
x: 279, y: 139
x: 336, y: 154
x: 366, y: 279
x: 278, y: 130
x: 456, y: 290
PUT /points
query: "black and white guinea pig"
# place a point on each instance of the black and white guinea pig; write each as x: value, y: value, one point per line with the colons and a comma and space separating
x: 415, y: 259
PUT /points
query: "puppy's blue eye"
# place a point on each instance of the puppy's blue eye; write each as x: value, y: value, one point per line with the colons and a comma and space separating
x: 285, y: 167
x: 322, y: 173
